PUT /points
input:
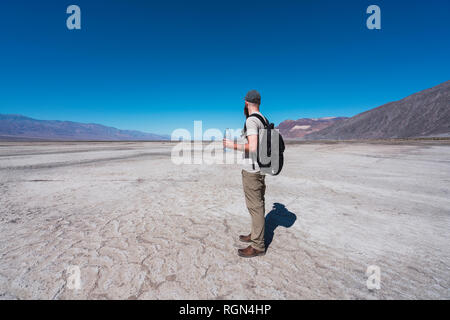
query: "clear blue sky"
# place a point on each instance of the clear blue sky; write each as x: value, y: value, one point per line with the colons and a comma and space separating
x: 157, y: 66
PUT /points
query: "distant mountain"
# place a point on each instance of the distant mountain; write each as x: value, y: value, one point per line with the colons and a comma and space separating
x: 423, y: 114
x: 301, y: 127
x: 18, y: 127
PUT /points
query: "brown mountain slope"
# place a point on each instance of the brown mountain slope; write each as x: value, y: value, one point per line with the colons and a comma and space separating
x: 423, y: 114
x: 301, y: 127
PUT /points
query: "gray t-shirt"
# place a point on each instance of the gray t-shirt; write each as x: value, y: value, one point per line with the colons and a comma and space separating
x: 253, y: 125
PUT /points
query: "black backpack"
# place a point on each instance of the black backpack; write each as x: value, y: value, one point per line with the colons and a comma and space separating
x: 268, y: 135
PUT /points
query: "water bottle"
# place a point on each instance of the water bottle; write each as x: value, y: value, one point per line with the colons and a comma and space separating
x: 228, y: 137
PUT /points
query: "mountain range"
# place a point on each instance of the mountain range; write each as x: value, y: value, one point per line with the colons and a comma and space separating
x: 423, y: 114
x: 18, y: 127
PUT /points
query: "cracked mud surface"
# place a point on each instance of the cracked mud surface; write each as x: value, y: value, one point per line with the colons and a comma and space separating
x: 140, y: 227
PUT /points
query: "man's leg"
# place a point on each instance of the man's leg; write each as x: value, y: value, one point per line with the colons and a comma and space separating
x: 254, y: 190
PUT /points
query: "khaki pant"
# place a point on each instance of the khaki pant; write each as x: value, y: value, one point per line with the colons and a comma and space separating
x: 254, y: 190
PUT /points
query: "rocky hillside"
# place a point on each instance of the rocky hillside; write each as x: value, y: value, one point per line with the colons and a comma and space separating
x: 292, y: 129
x: 423, y: 114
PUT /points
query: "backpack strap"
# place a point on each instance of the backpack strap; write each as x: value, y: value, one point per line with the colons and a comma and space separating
x: 261, y: 118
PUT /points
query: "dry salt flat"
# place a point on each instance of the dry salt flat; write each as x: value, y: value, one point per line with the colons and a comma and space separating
x: 137, y: 226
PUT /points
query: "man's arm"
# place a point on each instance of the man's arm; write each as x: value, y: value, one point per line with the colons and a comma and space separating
x: 251, y: 146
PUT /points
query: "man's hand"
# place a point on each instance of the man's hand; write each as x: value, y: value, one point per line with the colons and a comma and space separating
x: 228, y: 144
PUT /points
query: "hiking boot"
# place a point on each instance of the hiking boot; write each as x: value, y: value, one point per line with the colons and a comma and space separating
x: 246, y: 238
x: 250, y: 252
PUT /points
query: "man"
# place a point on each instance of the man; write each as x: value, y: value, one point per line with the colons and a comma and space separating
x: 252, y: 179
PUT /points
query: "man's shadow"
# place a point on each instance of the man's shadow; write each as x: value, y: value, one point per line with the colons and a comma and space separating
x: 278, y: 216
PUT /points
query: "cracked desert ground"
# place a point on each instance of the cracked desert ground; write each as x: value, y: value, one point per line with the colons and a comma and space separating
x: 140, y: 227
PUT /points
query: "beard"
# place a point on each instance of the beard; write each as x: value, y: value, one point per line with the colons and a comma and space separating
x: 246, y: 112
